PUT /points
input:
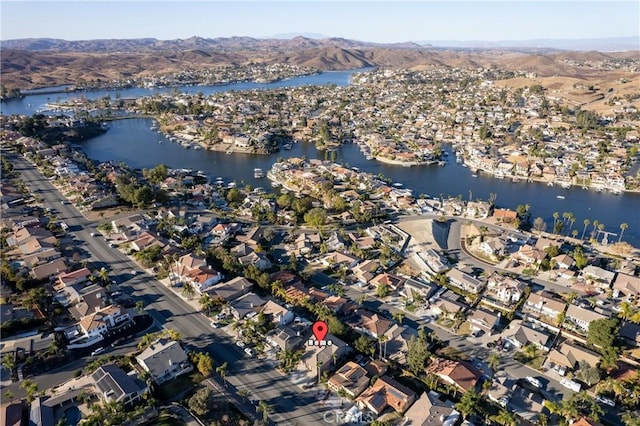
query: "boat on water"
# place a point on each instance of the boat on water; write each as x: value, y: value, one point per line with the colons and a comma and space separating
x: 515, y: 179
x: 197, y: 147
x: 550, y: 184
x: 159, y: 141
x: 286, y: 146
x: 369, y: 157
x: 275, y: 184
x: 397, y: 184
x: 258, y: 173
x: 405, y: 164
x: 474, y: 175
x: 459, y: 160
x: 560, y: 197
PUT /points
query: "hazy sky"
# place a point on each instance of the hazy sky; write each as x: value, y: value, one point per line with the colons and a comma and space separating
x: 377, y: 21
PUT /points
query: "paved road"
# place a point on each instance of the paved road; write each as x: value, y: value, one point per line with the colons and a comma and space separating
x: 288, y: 403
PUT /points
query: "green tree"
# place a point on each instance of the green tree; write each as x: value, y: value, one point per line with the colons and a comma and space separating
x: 623, y: 227
x: 494, y: 361
x: 222, y: 371
x: 383, y: 290
x: 468, y: 404
x: 204, y: 364
x: 31, y: 388
x: 199, y: 402
x: 417, y: 353
x: 316, y: 217
x: 602, y: 333
x: 505, y: 418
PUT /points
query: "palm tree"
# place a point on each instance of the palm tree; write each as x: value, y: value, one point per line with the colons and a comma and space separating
x: 264, y: 408
x: 595, y: 226
x: 342, y: 394
x: 9, y: 395
x: 494, y: 361
x: 574, y: 233
x: 586, y: 223
x: 398, y: 316
x: 222, y: 371
x: 206, y: 303
x: 505, y: 418
x: 556, y: 215
x: 530, y: 350
x: 188, y: 290
x: 140, y: 306
x: 31, y: 388
x: 103, y: 275
x: 623, y: 227
x: 468, y: 403
x: 173, y: 335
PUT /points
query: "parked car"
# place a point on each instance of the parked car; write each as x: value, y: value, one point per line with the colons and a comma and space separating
x: 93, y: 234
x: 240, y: 343
x: 97, y: 351
x: 249, y: 352
x: 605, y: 400
x: 535, y: 382
x: 215, y: 324
x: 134, y: 272
x: 570, y: 384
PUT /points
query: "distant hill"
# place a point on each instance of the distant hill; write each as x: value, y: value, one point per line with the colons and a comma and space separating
x: 610, y: 44
x: 29, y: 63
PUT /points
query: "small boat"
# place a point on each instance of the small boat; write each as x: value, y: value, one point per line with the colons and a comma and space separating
x: 369, y: 157
x: 286, y: 146
x: 560, y: 197
x: 258, y: 173
x: 275, y: 184
x: 405, y: 164
x: 474, y: 175
x: 397, y: 184
x: 550, y: 184
x: 159, y: 141
x: 515, y: 179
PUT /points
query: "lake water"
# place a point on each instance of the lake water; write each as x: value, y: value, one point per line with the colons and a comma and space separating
x: 133, y: 142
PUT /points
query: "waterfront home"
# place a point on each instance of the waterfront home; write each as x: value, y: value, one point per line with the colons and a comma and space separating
x: 386, y: 392
x: 465, y: 281
x: 505, y: 215
x: 164, y: 360
x: 529, y: 255
x: 455, y: 373
x: 431, y: 409
x: 564, y: 261
x: 350, y: 378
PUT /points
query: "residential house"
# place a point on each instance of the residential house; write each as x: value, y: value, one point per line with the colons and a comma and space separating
x: 146, y: 240
x: 393, y: 282
x: 626, y: 285
x: 505, y: 215
x: 483, y: 320
x: 493, y: 247
x: 465, y: 281
x: 365, y: 271
x: 396, y: 345
x: 386, y: 392
x: 544, y: 306
x: 431, y: 409
x: 88, y: 300
x: 246, y: 304
x: 435, y: 262
x: 318, y: 359
x: 448, y: 307
x: 194, y: 271
x: 99, y: 322
x: 505, y: 290
x: 564, y: 261
x: 277, y: 313
x: 579, y: 318
x: 630, y: 333
x: 230, y: 290
x: 114, y: 385
x: 336, y: 259
x: 351, y: 378
x: 456, y: 373
x: 50, y: 270
x: 598, y: 276
x: 285, y: 338
x: 530, y: 255
x: 67, y: 279
x: 569, y: 355
x: 164, y: 360
x: 372, y: 324
x: 415, y: 288
x: 525, y: 335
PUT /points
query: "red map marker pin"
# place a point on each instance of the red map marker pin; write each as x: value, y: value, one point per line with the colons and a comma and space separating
x: 320, y: 330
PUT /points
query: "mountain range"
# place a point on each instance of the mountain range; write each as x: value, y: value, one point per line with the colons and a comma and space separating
x: 28, y: 63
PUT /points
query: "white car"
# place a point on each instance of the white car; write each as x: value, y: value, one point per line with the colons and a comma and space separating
x: 249, y: 351
x: 215, y: 324
x: 240, y: 343
x: 535, y: 382
x: 97, y: 351
x: 134, y: 272
x: 93, y: 234
x: 570, y: 384
x: 606, y: 401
